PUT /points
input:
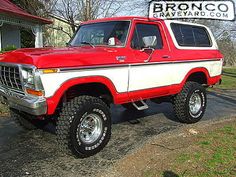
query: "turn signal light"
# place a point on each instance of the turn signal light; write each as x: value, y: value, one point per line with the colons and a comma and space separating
x: 34, y: 92
x: 48, y: 71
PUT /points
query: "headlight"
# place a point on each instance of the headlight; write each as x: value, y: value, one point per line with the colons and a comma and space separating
x: 31, y: 81
x: 28, y: 77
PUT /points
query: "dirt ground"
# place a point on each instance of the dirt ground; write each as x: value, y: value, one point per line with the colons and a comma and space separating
x: 161, y: 152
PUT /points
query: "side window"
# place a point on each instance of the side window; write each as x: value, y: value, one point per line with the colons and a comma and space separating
x: 146, y: 36
x: 193, y: 36
x: 187, y: 35
x: 201, y: 37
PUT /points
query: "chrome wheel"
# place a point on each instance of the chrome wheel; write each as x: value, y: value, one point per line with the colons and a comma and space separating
x: 90, y: 128
x: 195, y: 103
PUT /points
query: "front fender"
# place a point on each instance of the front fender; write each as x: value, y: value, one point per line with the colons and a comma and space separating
x: 53, y: 101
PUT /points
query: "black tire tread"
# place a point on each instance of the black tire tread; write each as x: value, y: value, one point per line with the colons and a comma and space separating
x: 65, y: 119
x: 179, y: 102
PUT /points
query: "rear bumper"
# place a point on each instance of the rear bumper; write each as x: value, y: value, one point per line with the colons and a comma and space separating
x: 29, y: 104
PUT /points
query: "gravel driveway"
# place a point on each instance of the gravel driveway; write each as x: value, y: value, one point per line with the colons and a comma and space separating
x: 35, y: 153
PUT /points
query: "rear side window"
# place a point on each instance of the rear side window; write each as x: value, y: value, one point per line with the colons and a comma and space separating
x: 191, y: 36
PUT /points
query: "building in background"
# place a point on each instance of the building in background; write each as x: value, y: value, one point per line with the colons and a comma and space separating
x: 12, y: 19
x: 59, y: 33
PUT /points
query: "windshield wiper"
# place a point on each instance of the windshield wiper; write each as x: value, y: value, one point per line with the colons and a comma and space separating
x: 87, y: 43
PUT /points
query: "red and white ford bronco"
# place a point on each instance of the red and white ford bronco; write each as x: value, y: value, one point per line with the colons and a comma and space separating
x: 122, y: 60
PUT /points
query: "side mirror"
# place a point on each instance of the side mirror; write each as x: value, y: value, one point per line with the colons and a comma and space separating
x: 149, y: 41
x: 112, y: 41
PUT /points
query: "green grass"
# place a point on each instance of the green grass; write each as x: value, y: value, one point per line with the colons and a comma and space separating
x: 183, y: 158
x: 228, y: 79
x: 212, y: 154
x: 216, y: 155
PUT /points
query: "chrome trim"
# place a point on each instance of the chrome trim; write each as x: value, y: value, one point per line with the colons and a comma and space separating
x: 16, y: 95
x: 195, y: 103
x: 29, y: 104
x: 8, y: 76
x: 90, y: 129
x: 17, y: 85
x: 121, y: 58
x: 37, y: 81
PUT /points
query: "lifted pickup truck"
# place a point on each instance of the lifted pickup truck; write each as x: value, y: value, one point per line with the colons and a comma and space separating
x: 122, y: 60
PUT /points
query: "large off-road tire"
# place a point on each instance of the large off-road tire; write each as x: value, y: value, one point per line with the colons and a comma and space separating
x: 190, y: 103
x: 84, y: 126
x: 22, y: 120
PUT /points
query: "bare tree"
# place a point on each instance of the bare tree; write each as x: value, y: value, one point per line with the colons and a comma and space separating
x: 36, y: 7
x: 82, y: 10
x: 137, y: 7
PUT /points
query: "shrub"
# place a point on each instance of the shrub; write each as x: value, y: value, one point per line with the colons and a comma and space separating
x: 228, y: 49
x: 8, y: 48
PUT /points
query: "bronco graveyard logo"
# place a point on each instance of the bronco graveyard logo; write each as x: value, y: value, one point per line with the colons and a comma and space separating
x: 221, y: 10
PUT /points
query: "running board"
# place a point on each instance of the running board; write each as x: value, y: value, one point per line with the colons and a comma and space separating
x: 140, y: 105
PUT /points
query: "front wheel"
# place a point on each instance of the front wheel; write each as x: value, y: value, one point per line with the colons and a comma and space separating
x: 190, y: 103
x: 84, y: 126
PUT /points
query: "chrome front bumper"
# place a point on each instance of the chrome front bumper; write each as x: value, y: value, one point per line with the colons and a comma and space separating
x: 29, y: 104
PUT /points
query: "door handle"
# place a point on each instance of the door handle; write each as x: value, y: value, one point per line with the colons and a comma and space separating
x: 165, y: 56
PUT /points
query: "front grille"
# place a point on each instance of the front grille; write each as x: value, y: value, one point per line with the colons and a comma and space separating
x: 10, y: 77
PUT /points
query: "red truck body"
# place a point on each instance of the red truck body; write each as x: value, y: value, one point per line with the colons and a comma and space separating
x: 105, y: 56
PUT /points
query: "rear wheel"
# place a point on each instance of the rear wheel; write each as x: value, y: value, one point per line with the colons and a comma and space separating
x: 84, y: 126
x: 190, y: 103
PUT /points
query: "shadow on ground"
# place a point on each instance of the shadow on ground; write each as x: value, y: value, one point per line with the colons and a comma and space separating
x: 169, y: 174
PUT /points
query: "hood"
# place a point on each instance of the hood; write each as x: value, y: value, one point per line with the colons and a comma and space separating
x: 62, y: 57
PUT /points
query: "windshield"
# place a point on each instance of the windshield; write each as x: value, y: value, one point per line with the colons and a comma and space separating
x: 112, y: 33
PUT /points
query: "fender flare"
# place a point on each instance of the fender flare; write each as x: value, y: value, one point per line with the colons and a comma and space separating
x: 53, y: 101
x: 196, y: 70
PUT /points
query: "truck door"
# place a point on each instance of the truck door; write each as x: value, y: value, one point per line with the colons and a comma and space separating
x: 150, y: 76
